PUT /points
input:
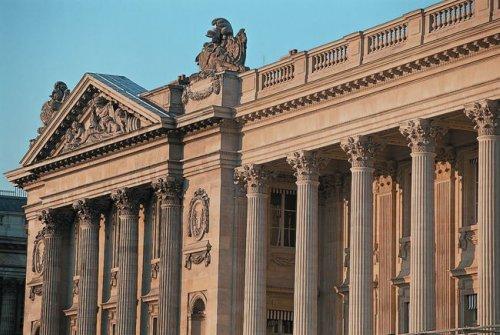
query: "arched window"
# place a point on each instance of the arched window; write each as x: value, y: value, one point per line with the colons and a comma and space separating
x: 197, y: 317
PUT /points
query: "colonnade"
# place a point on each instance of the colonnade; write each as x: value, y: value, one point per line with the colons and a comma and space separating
x: 87, y: 212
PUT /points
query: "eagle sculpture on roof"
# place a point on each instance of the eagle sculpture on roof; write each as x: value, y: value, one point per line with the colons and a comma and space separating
x: 225, y: 51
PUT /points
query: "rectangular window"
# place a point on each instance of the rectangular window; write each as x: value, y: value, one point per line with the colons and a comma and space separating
x: 154, y: 326
x: 470, y: 310
x: 284, y: 217
x: 279, y: 322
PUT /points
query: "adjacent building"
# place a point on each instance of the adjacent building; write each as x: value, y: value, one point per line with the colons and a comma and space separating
x: 12, y: 261
x: 348, y: 189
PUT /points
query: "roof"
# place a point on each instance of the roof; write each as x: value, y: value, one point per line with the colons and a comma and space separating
x: 129, y: 89
x: 12, y: 204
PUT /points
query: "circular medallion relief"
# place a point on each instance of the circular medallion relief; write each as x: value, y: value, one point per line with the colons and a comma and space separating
x: 198, y: 214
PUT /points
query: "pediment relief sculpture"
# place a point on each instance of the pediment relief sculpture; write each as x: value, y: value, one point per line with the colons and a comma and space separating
x: 104, y: 119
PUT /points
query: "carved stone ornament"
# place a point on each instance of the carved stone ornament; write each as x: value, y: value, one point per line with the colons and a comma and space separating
x: 213, y: 88
x: 361, y: 150
x: 306, y: 164
x: 35, y: 290
x: 422, y: 134
x: 37, y: 263
x: 465, y: 239
x: 225, y: 51
x: 168, y: 189
x: 198, y: 257
x: 283, y: 259
x: 155, y: 268
x: 485, y: 115
x: 199, y: 214
x: 86, y: 212
x: 48, y: 219
x: 50, y: 108
x: 254, y: 176
x: 106, y: 119
x: 124, y: 201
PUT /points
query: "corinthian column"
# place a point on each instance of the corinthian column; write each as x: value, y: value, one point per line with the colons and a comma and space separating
x: 421, y: 135
x: 169, y: 191
x: 51, y: 310
x: 9, y: 305
x: 88, y: 261
x: 361, y: 151
x: 254, y: 319
x: 486, y: 117
x: 127, y: 261
x: 305, y: 297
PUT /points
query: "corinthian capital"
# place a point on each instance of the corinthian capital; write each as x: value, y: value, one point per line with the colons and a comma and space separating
x: 485, y: 115
x: 361, y: 150
x: 48, y: 218
x: 422, y: 134
x: 86, y: 211
x: 255, y: 177
x: 169, y: 189
x: 306, y: 164
x: 124, y: 201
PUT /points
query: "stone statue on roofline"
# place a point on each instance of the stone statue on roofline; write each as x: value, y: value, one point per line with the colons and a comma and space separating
x: 59, y: 94
x: 224, y: 52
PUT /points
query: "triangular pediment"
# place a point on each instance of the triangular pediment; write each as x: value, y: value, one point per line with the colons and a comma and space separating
x: 100, y: 110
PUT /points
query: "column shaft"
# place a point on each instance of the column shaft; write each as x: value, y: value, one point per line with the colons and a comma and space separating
x: 422, y: 264
x: 305, y: 297
x: 486, y: 117
x: 361, y: 252
x: 361, y: 151
x: 87, y: 267
x: 51, y: 311
x: 254, y: 306
x: 255, y: 266
x: 489, y: 230
x: 422, y: 135
x: 169, y: 190
x: 127, y: 263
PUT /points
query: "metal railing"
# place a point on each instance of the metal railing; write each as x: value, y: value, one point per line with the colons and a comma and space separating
x: 13, y: 193
x: 493, y: 329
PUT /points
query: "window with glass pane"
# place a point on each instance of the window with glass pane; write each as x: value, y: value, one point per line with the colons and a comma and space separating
x: 470, y: 310
x: 284, y: 216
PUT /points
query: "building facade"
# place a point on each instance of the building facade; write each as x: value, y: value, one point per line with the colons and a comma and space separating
x: 348, y: 189
x: 12, y: 261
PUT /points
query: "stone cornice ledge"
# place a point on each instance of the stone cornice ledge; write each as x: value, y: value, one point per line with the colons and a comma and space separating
x: 367, y: 81
x: 202, y: 119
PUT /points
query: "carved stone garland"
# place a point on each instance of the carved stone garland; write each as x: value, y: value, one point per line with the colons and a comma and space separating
x: 199, y: 214
x: 213, y: 88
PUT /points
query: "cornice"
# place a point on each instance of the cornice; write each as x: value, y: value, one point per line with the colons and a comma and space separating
x: 421, y: 64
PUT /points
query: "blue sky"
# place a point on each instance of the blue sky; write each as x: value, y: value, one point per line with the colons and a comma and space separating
x: 150, y: 42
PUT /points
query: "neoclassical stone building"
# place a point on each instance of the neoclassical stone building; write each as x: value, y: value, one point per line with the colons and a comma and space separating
x: 348, y: 189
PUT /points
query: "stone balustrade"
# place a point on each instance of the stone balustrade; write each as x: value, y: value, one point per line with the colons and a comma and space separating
x: 413, y: 29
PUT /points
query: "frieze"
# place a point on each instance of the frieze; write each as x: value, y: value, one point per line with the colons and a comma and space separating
x: 283, y: 259
x: 199, y: 214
